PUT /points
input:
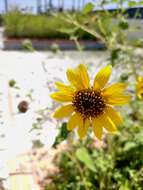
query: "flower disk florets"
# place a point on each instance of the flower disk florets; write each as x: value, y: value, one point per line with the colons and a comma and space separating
x: 89, y: 103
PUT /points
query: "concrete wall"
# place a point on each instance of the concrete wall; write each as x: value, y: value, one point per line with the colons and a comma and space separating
x: 137, y: 24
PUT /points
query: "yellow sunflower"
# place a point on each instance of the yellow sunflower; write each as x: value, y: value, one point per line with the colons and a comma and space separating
x: 139, y: 87
x: 90, y: 106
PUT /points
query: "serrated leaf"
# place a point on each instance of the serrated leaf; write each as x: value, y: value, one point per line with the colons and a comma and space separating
x: 88, y: 8
x: 83, y: 156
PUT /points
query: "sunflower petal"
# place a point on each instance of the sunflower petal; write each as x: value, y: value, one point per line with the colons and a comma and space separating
x: 102, y: 77
x: 108, y: 123
x: 83, y: 127
x: 84, y: 75
x: 110, y: 126
x: 118, y: 100
x: 140, y: 79
x: 74, y: 120
x: 140, y: 94
x: 97, y: 128
x: 74, y: 78
x: 62, y: 87
x: 117, y: 88
x: 63, y: 111
x: 62, y: 96
x: 114, y: 115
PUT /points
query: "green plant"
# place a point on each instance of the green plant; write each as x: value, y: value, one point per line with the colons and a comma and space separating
x: 38, y: 26
x: 1, y: 20
x: 55, y: 48
x: 27, y: 45
x: 118, y: 163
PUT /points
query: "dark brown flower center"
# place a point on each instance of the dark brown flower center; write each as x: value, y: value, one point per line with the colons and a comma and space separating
x: 89, y: 103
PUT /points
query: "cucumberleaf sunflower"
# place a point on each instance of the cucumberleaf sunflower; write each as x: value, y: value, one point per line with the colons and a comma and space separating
x: 90, y: 106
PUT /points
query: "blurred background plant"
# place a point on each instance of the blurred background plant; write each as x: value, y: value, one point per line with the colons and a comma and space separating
x: 27, y: 45
x: 20, y: 25
x: 1, y: 20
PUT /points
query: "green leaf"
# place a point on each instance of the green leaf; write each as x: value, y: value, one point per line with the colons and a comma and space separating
x: 83, y: 156
x: 129, y: 145
x: 63, y: 134
x: 124, y: 25
x: 88, y: 8
x: 125, y: 186
x: 68, y: 30
x: 115, y: 54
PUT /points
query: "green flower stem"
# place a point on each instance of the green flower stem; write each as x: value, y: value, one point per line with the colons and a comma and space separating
x: 70, y: 20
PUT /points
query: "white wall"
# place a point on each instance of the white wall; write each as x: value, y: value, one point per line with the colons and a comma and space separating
x: 137, y: 24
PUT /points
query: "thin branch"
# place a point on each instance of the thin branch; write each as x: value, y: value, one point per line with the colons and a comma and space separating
x: 84, y: 28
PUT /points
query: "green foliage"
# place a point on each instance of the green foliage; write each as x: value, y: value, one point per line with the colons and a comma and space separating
x: 102, y: 26
x: 123, y: 24
x: 135, y: 3
x: 39, y: 26
x: 1, y: 20
x: 32, y: 26
x: 55, y: 48
x: 63, y: 134
x: 111, y: 28
x: 27, y: 45
x: 138, y: 43
x: 88, y: 8
x: 83, y: 156
x: 118, y: 165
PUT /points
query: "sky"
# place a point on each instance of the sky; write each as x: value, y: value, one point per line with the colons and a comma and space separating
x: 32, y: 3
x: 22, y: 3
